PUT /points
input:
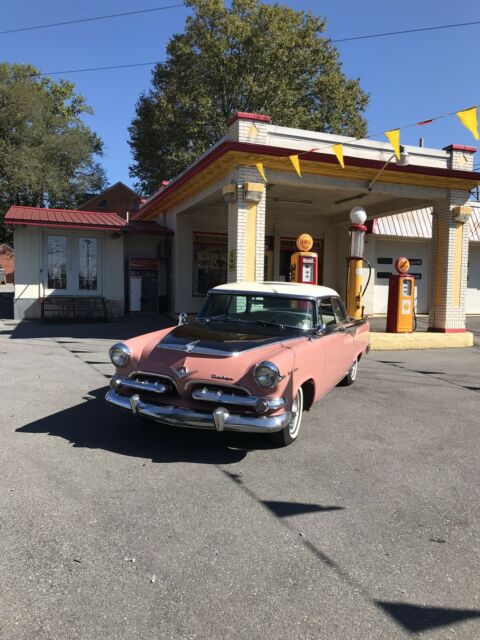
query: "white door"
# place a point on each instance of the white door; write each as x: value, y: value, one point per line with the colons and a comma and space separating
x: 473, y: 283
x: 386, y: 252
x: 135, y: 293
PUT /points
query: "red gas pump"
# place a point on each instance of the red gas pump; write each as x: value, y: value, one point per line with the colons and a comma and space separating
x: 401, y: 299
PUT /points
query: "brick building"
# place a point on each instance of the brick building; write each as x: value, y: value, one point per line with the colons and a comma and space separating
x: 7, y: 261
x: 118, y: 199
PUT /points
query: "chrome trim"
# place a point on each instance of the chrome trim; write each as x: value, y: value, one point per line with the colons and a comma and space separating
x: 273, y: 367
x: 219, y: 397
x: 153, y: 387
x: 180, y: 417
x: 235, y: 354
x: 154, y: 375
x: 209, y: 383
x: 204, y: 351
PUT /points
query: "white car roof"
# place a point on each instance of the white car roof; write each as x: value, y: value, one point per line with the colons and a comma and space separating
x: 294, y: 289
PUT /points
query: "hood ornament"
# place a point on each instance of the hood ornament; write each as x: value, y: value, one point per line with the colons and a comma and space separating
x: 191, y: 346
x: 181, y: 372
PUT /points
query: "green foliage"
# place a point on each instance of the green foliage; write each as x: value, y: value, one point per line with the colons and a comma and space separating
x: 47, y: 153
x: 251, y: 57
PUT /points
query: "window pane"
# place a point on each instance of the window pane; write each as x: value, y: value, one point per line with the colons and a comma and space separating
x: 87, y: 257
x: 326, y: 311
x: 209, y: 262
x: 57, y: 262
x: 340, y: 314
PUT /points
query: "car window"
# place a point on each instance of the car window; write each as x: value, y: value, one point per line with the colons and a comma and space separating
x: 338, y: 310
x: 325, y: 311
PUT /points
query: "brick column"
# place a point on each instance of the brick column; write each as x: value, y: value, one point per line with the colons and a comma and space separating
x: 246, y: 228
x: 449, y: 261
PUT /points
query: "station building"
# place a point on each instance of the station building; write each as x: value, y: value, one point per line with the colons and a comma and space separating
x: 220, y: 220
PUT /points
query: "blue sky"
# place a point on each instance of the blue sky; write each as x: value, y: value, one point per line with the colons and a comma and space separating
x: 409, y: 78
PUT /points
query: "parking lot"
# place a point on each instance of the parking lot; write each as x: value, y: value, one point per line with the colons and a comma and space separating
x: 368, y: 527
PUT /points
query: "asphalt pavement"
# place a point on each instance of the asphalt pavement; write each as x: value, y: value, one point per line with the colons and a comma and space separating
x: 366, y: 528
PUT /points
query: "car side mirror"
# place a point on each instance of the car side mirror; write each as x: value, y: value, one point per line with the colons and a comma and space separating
x: 321, y: 328
x: 182, y: 318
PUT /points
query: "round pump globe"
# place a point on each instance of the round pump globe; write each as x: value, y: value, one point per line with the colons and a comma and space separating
x: 358, y: 215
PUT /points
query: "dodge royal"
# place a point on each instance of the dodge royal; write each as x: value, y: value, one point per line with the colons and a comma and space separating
x: 254, y: 359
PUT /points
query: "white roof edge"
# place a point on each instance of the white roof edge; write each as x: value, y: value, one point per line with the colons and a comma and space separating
x: 281, y: 288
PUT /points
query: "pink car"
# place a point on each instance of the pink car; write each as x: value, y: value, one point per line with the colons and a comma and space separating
x: 255, y: 358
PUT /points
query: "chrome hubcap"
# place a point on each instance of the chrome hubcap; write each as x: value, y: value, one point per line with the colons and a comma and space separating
x: 294, y: 425
x: 353, y: 370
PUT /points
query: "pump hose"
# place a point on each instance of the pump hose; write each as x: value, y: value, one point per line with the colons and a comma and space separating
x: 369, y: 276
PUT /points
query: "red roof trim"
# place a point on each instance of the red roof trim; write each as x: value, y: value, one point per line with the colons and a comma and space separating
x: 55, y: 225
x: 262, y: 149
x: 243, y: 115
x: 460, y: 147
x: 64, y: 218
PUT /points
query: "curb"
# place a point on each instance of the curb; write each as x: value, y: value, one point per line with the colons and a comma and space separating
x: 421, y: 340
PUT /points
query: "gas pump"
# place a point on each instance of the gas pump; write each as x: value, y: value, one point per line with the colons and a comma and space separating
x: 304, y: 263
x: 401, y: 300
x: 355, y: 263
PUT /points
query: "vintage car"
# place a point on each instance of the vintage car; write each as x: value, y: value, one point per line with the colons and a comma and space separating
x: 254, y: 359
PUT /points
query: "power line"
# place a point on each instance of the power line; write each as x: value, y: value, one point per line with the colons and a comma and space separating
x: 79, y: 20
x: 398, y: 33
x: 116, y: 66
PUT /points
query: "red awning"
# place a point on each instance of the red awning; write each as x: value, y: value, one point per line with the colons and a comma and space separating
x: 64, y: 218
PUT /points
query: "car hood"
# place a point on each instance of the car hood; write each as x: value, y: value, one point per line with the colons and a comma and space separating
x: 222, y: 353
x: 219, y: 338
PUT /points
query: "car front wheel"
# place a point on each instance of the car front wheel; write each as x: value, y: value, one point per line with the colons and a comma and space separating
x: 290, y: 433
x: 351, y: 375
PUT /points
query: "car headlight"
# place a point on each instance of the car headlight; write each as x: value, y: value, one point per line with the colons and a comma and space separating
x: 120, y: 354
x: 266, y: 374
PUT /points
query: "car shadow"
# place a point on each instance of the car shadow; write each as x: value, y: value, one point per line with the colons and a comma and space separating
x: 94, y: 424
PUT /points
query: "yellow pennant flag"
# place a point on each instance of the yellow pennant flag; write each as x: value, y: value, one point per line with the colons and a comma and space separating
x: 259, y: 166
x: 296, y: 163
x: 394, y: 139
x: 338, y: 151
x: 469, y: 120
x: 253, y: 131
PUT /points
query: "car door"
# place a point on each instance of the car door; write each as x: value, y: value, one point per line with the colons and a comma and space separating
x: 338, y: 341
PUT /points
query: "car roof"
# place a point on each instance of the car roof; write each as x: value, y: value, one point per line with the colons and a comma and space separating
x: 294, y: 289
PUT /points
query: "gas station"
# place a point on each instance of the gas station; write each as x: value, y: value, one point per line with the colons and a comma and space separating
x: 237, y: 211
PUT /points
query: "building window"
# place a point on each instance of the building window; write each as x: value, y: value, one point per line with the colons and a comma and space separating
x: 87, y: 263
x: 57, y: 262
x: 103, y: 204
x: 209, y: 261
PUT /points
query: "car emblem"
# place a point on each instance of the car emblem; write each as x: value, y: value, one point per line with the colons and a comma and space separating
x: 215, y: 377
x: 181, y: 372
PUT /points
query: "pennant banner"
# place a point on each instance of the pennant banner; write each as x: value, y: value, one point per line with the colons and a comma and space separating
x: 296, y: 163
x: 260, y: 170
x: 253, y: 131
x: 338, y: 151
x: 394, y: 139
x: 469, y: 119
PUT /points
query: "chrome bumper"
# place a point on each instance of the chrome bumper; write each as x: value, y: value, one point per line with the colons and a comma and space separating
x: 220, y: 419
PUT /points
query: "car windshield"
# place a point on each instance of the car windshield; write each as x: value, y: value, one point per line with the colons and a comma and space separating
x: 266, y: 310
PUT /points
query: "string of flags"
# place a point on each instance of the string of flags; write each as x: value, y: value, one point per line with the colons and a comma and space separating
x: 468, y: 117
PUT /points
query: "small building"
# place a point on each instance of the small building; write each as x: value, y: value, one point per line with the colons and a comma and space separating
x: 7, y: 261
x: 78, y: 264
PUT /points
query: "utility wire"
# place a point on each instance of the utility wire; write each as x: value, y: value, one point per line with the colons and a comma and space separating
x: 79, y: 20
x: 117, y: 66
x: 398, y: 33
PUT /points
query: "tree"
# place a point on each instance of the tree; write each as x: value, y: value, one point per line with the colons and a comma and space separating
x: 251, y: 57
x: 47, y: 153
